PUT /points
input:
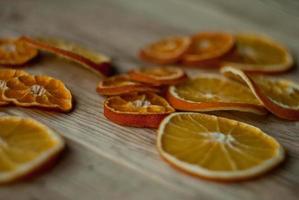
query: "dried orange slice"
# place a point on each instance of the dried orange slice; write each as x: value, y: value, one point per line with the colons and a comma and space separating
x: 208, y: 47
x: 210, y: 92
x: 256, y: 53
x: 166, y: 51
x: 96, y: 62
x: 6, y: 75
x: 40, y: 91
x: 137, y: 109
x: 25, y: 146
x: 158, y: 75
x: 14, y: 52
x: 217, y: 148
x: 122, y: 84
x: 279, y: 96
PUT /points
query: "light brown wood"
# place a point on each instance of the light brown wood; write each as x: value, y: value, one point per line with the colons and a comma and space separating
x: 107, y: 161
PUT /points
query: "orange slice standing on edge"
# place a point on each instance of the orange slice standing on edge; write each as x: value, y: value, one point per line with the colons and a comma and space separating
x: 166, y: 51
x: 208, y: 48
x: 6, y: 75
x: 137, y: 109
x: 14, y: 52
x: 256, y: 53
x: 279, y: 96
x: 122, y: 84
x: 217, y: 148
x: 96, y: 62
x: 25, y: 146
x: 159, y: 75
x: 39, y: 91
x: 211, y: 92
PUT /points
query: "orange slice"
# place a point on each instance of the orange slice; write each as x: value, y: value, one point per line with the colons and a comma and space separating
x: 25, y: 146
x: 40, y: 91
x: 14, y: 52
x: 137, y: 109
x: 210, y: 92
x: 279, y: 96
x: 166, y: 51
x: 208, y: 47
x: 217, y: 148
x: 96, y: 62
x: 122, y: 84
x: 158, y: 75
x: 256, y: 53
x: 6, y: 75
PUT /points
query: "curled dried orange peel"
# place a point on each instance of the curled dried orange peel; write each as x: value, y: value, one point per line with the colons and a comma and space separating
x: 122, y: 84
x: 260, y: 54
x: 137, y: 109
x: 279, y: 96
x: 166, y: 51
x: 208, y: 48
x: 158, y: 76
x: 211, y: 92
x: 96, y: 62
x: 14, y: 52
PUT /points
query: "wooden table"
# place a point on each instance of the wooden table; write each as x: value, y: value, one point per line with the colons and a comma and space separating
x: 107, y: 161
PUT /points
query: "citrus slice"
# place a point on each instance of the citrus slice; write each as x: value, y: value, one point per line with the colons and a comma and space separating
x: 256, y: 53
x: 122, y: 84
x: 25, y: 146
x: 14, y: 52
x: 217, y: 148
x: 6, y: 75
x: 158, y: 75
x: 210, y: 92
x: 279, y: 96
x: 39, y: 91
x: 137, y: 109
x: 208, y: 47
x: 166, y: 51
x: 96, y: 62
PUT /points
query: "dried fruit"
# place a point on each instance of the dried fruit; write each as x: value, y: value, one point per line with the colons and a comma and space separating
x: 25, y: 146
x: 137, y: 109
x: 166, y: 51
x: 217, y: 148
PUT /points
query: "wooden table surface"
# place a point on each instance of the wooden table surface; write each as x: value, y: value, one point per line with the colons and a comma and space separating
x: 107, y: 161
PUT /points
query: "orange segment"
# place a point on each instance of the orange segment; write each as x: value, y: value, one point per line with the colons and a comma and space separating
x: 122, y: 84
x: 279, y: 96
x: 208, y: 47
x: 137, y: 109
x: 166, y: 51
x: 14, y: 52
x: 256, y: 53
x: 158, y: 75
x: 25, y: 146
x: 40, y: 91
x: 209, y: 92
x: 216, y: 148
x: 96, y: 62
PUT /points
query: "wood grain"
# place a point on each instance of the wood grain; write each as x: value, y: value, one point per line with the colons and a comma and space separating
x: 125, y: 162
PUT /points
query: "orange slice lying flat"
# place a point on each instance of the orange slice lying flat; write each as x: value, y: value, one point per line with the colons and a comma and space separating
x: 207, y: 48
x: 210, y: 92
x: 279, y: 96
x: 39, y: 91
x: 217, y: 148
x: 257, y: 53
x: 166, y: 51
x: 137, y: 109
x: 158, y: 75
x: 25, y: 146
x: 96, y: 62
x: 14, y: 52
x: 122, y: 84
